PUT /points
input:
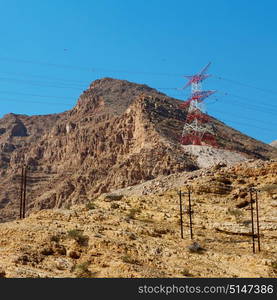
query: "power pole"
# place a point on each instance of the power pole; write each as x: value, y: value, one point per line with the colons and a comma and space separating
x: 189, y: 211
x: 258, y: 223
x: 253, y: 190
x: 252, y: 220
x: 181, y: 214
x: 21, y: 191
x: 190, y: 214
x: 24, y: 192
x: 23, y: 186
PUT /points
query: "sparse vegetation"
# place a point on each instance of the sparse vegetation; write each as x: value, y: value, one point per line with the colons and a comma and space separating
x: 113, y: 197
x: 186, y: 272
x: 55, y: 238
x: 236, y: 213
x: 90, y: 205
x: 146, y: 220
x: 82, y: 270
x: 130, y: 260
x: 114, y: 206
x: 270, y: 189
x: 133, y: 212
x: 67, y: 206
x: 196, y: 248
x: 78, y: 236
x: 274, y: 266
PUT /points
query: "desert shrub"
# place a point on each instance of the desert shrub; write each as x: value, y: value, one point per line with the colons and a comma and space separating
x: 186, y: 272
x: 196, y: 248
x: 114, y: 206
x: 132, y: 212
x: 146, y: 220
x: 67, y: 206
x: 90, y: 205
x: 236, y: 213
x: 130, y: 260
x: 274, y: 265
x: 271, y: 189
x: 55, y: 238
x: 78, y: 236
x: 113, y: 197
x: 82, y: 270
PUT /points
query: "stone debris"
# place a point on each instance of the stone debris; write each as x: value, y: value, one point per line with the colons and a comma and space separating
x: 142, y: 237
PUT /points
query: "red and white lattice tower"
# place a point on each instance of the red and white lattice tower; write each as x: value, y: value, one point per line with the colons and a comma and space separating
x: 198, y: 129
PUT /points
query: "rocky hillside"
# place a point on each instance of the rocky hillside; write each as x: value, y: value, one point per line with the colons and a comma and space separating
x: 119, y: 134
x: 274, y: 144
x: 135, y: 232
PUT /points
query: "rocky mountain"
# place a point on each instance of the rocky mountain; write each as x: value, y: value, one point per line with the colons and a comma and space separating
x: 274, y: 144
x: 119, y: 134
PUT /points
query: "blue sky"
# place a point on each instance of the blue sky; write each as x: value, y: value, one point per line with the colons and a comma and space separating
x: 51, y: 51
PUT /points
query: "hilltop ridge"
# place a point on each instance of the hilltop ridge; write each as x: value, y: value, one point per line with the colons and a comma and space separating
x: 118, y: 134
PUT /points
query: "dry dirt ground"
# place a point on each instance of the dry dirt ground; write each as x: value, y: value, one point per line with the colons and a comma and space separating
x: 125, y: 235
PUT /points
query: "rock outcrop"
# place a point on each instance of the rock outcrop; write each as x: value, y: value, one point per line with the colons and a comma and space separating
x: 274, y: 144
x: 119, y: 134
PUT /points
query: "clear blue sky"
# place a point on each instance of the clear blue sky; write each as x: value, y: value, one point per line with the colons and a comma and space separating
x: 51, y: 51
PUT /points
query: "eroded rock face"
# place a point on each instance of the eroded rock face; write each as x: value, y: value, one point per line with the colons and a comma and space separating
x: 119, y: 134
x: 274, y: 144
x: 19, y: 129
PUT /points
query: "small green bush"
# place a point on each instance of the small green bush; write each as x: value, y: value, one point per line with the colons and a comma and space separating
x: 114, y: 206
x: 274, y: 265
x: 90, y: 205
x: 67, y: 206
x: 236, y: 213
x: 55, y: 238
x: 113, y: 197
x: 271, y: 189
x: 133, y: 212
x: 130, y: 260
x: 78, y: 236
x: 82, y: 271
x: 186, y: 272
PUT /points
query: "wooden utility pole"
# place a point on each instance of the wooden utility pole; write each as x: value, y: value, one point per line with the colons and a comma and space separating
x: 258, y: 223
x: 23, y: 186
x: 252, y: 220
x: 21, y: 192
x: 190, y: 214
x: 24, y: 192
x: 181, y: 214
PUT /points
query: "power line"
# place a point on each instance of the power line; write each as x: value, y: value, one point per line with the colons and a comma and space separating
x: 36, y: 83
x: 34, y: 95
x: 246, y: 85
x: 246, y: 124
x: 35, y: 102
x: 250, y: 119
x: 248, y: 100
x: 105, y: 70
x: 88, y: 69
x: 253, y: 107
x: 67, y: 81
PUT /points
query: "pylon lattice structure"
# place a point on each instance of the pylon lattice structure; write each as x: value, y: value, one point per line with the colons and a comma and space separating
x: 198, y: 129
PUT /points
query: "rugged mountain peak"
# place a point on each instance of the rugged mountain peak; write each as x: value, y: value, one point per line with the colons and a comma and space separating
x: 111, y: 96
